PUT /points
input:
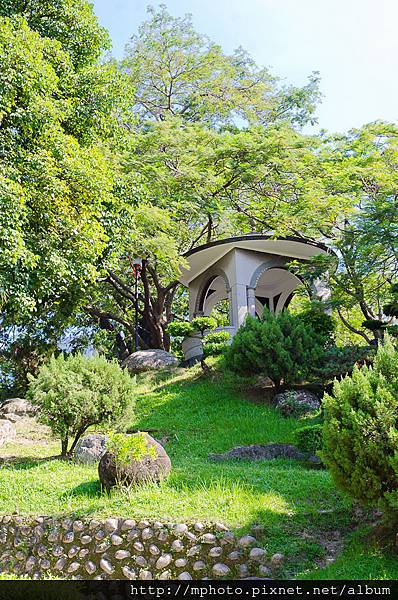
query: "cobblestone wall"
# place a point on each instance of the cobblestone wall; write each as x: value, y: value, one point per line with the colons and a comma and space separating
x: 126, y: 549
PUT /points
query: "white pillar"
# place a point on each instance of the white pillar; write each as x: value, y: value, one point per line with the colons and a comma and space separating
x: 251, y: 301
x: 239, y: 303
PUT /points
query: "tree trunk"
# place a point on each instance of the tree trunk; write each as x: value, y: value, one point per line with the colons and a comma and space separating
x: 64, y: 446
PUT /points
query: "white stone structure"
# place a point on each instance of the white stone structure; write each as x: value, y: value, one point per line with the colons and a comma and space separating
x: 249, y: 271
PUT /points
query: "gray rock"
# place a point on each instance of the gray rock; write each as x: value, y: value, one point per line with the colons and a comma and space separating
x: 215, y: 552
x: 180, y: 562
x: 106, y: 566
x: 260, y: 452
x: 86, y: 539
x: 149, y: 360
x: 208, y: 538
x: 147, y: 533
x: 149, y: 468
x: 141, y: 561
x: 60, y: 564
x: 165, y: 575
x: 128, y: 524
x: 199, y: 565
x: 18, y: 407
x: 296, y: 403
x: 180, y: 529
x: 111, y: 525
x: 277, y: 559
x: 145, y: 575
x: 122, y: 554
x: 90, y: 448
x: 246, y: 540
x: 78, y: 526
x: 128, y: 573
x: 7, y: 431
x: 221, y: 570
x: 163, y: 561
x: 154, y: 550
x: 90, y: 567
x: 264, y: 571
x: 73, y: 551
x: 257, y: 554
x: 177, y: 546
x: 74, y: 566
x: 185, y: 576
x: 116, y: 540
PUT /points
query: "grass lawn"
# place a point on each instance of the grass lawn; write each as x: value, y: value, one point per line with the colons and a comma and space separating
x: 303, y: 514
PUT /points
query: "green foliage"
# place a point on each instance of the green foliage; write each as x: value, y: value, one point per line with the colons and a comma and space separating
x: 126, y: 448
x: 309, y: 438
x: 57, y: 108
x: 215, y: 343
x: 337, y: 362
x: 278, y: 346
x: 202, y: 324
x: 360, y: 432
x: 314, y: 316
x: 76, y: 392
x: 177, y: 71
x: 180, y: 328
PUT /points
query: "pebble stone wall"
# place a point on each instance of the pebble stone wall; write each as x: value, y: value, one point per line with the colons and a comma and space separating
x: 126, y: 549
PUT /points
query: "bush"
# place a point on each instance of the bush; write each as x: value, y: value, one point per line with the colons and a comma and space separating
x: 309, y: 438
x: 337, y: 362
x: 75, y: 392
x: 126, y: 448
x: 215, y: 343
x: 279, y: 346
x: 315, y: 316
x: 360, y: 432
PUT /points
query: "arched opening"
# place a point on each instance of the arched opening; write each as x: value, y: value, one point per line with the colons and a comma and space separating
x: 213, y: 298
x: 274, y: 289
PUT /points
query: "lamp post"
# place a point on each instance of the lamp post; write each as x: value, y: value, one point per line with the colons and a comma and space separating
x: 136, y: 265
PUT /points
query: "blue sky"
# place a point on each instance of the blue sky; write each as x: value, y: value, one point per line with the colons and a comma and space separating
x: 353, y: 43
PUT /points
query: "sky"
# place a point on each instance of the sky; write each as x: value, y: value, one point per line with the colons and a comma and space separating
x: 352, y: 43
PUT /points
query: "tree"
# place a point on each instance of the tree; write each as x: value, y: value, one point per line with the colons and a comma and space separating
x: 279, y: 346
x: 196, y: 165
x: 360, y: 169
x: 178, y: 72
x: 77, y: 392
x: 58, y: 106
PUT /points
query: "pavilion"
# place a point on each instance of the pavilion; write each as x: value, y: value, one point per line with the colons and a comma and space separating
x: 249, y: 272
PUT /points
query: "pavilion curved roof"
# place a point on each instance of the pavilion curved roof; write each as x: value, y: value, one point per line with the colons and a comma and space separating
x: 203, y: 257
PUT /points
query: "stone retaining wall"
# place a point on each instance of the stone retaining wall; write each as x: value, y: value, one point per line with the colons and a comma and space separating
x: 126, y: 549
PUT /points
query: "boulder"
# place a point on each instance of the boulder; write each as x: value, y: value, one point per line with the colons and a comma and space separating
x: 149, y: 468
x: 149, y: 360
x: 260, y: 452
x: 90, y: 448
x: 296, y: 403
x: 7, y: 431
x: 16, y: 408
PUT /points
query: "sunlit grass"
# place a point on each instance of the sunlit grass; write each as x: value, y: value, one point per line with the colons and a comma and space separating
x: 193, y: 417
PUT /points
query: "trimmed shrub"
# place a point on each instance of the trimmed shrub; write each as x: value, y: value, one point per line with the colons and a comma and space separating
x: 360, y: 432
x: 215, y: 343
x: 76, y: 392
x: 309, y: 438
x: 279, y: 346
